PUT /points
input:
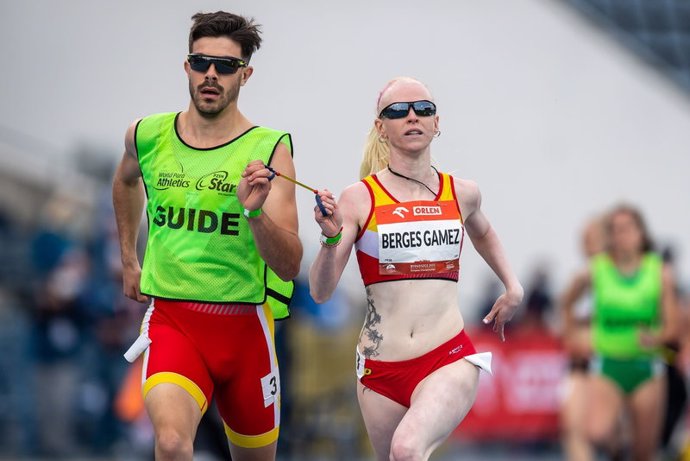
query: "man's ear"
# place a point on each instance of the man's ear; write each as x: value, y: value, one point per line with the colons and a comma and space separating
x: 246, y: 73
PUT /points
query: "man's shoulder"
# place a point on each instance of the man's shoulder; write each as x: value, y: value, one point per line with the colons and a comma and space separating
x: 266, y: 130
x: 158, y: 116
x: 270, y: 138
x: 153, y: 123
x: 149, y: 128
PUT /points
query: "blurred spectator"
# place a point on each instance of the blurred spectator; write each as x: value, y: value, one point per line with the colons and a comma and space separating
x: 62, y: 267
x: 320, y: 407
x: 80, y: 323
x: 113, y: 322
x: 538, y: 301
x: 15, y: 396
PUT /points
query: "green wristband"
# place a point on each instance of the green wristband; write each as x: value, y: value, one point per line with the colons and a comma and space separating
x: 252, y: 213
x: 332, y: 241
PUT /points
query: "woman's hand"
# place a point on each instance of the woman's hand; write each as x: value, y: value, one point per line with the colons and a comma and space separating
x: 333, y: 221
x: 503, y: 310
x: 648, y: 339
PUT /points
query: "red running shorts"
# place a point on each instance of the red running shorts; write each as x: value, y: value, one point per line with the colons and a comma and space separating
x: 221, y: 350
x: 398, y: 380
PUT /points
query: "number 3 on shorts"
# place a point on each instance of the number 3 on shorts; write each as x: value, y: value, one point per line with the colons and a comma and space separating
x: 270, y: 384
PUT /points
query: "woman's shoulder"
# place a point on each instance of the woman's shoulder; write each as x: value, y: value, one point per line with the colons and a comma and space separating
x: 357, y: 189
x: 355, y: 200
x: 464, y: 184
x: 356, y: 196
x: 467, y: 191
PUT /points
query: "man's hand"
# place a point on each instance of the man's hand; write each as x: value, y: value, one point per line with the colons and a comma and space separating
x: 254, y: 185
x: 131, y: 277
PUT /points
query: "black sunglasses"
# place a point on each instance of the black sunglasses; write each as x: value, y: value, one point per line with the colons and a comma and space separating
x: 225, y: 66
x: 422, y: 108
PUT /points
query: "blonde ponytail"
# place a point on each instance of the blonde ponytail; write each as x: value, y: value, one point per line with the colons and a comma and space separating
x: 376, y: 154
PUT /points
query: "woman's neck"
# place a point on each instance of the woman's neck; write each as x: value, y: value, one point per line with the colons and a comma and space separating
x: 418, y: 172
x: 627, y: 262
x: 418, y: 167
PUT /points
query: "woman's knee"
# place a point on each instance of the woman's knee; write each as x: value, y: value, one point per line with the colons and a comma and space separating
x: 404, y: 447
x: 600, y: 435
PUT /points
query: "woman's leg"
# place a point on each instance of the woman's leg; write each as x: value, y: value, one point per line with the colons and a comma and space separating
x: 438, y: 405
x: 647, y: 405
x: 381, y: 418
x: 604, y: 407
x: 573, y: 417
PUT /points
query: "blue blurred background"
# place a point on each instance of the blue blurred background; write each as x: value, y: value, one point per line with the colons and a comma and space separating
x: 557, y: 108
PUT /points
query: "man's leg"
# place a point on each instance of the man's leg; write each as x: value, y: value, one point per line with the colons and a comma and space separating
x: 175, y: 415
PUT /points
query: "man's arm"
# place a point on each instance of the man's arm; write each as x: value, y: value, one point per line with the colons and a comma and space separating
x: 487, y: 244
x: 275, y: 229
x: 128, y: 202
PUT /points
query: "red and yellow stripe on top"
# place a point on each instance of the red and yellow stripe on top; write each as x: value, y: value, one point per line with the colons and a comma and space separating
x: 410, y: 240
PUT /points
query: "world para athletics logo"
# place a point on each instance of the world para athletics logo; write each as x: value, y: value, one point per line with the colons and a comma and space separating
x: 166, y: 180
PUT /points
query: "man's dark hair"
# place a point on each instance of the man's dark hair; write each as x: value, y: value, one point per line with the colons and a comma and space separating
x: 242, y: 30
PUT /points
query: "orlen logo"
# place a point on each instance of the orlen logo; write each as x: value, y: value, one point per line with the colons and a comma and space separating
x: 426, y: 211
x: 399, y: 211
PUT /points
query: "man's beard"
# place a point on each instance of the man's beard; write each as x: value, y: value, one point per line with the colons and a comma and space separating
x: 212, y: 110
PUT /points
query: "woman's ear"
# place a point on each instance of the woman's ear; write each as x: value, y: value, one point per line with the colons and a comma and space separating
x: 380, y: 129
